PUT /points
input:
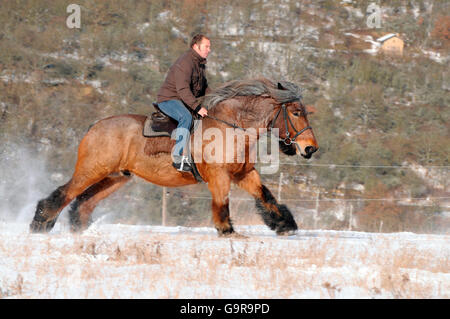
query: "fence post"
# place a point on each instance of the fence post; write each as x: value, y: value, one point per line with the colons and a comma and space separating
x: 279, y: 186
x: 164, y: 207
x: 350, y: 218
x: 316, y: 212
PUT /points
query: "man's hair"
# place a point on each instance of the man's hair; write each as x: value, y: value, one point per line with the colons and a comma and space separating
x: 197, y: 39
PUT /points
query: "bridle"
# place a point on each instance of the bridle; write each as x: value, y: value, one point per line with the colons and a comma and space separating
x: 288, y: 140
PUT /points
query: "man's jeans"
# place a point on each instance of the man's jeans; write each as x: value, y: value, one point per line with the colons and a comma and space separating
x: 176, y: 110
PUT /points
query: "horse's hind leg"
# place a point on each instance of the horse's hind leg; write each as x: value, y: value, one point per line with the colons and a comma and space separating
x: 83, y: 206
x: 98, y: 157
x: 276, y: 216
x: 49, y: 208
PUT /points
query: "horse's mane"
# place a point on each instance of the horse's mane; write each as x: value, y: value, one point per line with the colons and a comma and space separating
x: 281, y: 91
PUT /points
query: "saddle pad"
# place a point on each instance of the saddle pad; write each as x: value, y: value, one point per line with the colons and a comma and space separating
x: 148, y: 131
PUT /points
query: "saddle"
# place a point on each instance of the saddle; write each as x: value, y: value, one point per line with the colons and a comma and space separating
x: 159, y: 124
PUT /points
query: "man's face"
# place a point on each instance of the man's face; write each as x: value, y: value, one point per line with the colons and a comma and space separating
x: 203, y: 48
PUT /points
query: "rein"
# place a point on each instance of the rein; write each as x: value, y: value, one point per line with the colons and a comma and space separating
x: 227, y: 123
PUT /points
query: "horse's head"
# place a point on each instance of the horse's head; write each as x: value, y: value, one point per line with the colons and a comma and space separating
x: 295, y: 133
x: 274, y: 105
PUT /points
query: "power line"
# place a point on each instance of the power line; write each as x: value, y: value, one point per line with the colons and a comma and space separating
x: 338, y: 199
x: 365, y: 199
x: 362, y: 166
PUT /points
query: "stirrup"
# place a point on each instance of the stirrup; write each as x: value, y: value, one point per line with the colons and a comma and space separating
x: 183, y: 165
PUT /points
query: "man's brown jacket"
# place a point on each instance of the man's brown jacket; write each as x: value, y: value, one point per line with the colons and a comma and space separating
x: 185, y: 81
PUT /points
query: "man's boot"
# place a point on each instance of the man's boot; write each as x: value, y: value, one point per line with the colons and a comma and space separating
x: 182, y: 163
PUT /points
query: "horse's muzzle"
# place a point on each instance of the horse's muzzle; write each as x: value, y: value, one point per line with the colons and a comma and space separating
x: 309, y: 151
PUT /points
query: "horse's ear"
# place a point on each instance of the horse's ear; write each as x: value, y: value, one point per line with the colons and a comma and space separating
x: 310, y: 109
x: 280, y: 86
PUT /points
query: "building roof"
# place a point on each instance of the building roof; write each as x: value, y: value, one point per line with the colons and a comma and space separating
x: 386, y: 37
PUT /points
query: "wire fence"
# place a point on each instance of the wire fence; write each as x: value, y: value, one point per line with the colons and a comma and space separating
x: 428, y: 199
x: 346, y: 212
x: 317, y: 193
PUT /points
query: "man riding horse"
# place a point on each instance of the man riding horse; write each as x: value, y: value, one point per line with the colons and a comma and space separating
x: 115, y: 149
x: 184, y: 84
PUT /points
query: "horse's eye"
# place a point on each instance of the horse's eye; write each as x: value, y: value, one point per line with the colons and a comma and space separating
x: 297, y: 113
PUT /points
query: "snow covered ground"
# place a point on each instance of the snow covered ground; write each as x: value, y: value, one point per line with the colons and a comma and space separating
x: 130, y: 261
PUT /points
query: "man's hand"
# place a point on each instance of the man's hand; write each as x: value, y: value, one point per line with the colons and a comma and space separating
x: 203, y: 112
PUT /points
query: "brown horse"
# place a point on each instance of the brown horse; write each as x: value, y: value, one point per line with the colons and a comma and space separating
x: 114, y: 149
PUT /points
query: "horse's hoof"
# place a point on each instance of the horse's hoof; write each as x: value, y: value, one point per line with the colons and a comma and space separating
x: 41, y: 227
x: 37, y: 227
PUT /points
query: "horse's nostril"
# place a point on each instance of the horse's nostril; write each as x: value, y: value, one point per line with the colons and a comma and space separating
x: 310, y: 149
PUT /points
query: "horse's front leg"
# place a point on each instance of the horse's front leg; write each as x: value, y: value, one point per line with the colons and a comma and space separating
x: 276, y: 216
x: 220, y: 189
